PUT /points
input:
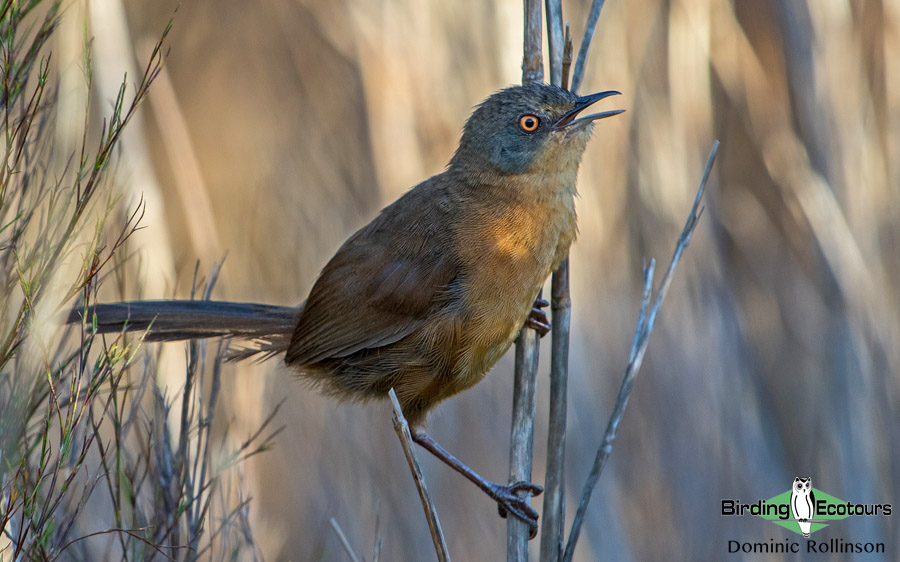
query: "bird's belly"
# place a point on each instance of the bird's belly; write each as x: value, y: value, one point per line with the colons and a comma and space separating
x: 499, y: 299
x: 509, y: 251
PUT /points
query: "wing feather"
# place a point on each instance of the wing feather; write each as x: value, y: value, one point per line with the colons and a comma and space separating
x: 382, y: 284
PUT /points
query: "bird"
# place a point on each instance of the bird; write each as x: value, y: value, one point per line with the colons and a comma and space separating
x: 429, y: 295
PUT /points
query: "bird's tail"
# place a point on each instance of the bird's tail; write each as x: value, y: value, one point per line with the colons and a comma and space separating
x: 268, y: 327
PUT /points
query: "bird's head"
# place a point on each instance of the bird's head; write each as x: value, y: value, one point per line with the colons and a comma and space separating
x: 525, y: 129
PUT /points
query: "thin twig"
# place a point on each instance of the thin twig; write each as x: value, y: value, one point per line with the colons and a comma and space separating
x: 521, y: 443
x: 401, y: 426
x: 596, y: 6
x: 646, y: 322
x: 567, y: 60
x: 130, y: 532
x: 555, y: 41
x: 553, y: 516
x: 379, y: 533
x: 343, y: 538
x: 521, y: 439
x: 532, y: 61
x: 554, y: 480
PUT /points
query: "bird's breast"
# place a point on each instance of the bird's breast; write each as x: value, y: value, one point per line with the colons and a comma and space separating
x: 509, y: 250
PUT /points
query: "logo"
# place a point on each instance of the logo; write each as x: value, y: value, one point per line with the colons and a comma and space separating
x: 803, y: 505
x: 804, y: 510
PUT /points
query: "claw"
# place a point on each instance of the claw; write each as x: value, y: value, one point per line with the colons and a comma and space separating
x: 507, y: 498
x: 537, y: 320
x: 509, y: 501
x: 523, y: 486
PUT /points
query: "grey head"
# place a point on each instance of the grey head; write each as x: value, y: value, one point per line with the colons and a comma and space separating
x: 527, y: 128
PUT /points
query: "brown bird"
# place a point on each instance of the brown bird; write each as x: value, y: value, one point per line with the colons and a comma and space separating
x: 431, y: 293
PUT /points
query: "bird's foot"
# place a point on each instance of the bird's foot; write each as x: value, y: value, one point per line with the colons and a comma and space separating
x: 509, y: 501
x: 537, y: 319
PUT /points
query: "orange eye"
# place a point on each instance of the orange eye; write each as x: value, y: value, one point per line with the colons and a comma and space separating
x: 529, y: 123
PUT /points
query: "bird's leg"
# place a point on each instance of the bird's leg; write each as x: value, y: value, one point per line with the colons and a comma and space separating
x: 537, y: 319
x: 507, y: 497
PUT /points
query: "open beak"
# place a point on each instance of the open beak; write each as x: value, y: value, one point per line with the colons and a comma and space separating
x: 582, y: 103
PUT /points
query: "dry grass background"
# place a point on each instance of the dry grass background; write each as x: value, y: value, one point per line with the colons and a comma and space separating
x: 778, y: 350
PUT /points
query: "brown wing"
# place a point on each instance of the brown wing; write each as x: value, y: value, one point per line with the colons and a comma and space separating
x: 382, y: 284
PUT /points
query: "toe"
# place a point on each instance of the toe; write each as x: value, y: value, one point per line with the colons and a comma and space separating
x: 523, y: 486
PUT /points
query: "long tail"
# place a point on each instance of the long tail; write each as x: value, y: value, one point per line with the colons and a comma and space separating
x: 269, y: 327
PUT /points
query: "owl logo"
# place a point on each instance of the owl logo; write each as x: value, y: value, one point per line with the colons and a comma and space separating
x: 803, y: 503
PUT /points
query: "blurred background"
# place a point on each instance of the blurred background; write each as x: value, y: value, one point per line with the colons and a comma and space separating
x: 279, y: 128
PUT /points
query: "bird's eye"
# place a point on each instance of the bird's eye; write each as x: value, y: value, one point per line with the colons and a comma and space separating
x: 529, y: 123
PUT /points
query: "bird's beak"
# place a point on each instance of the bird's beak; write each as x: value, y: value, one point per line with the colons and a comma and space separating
x: 582, y: 103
